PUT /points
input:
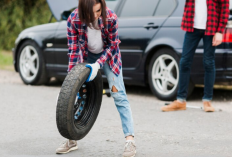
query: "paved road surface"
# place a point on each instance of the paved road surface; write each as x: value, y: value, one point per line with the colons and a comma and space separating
x: 28, y: 124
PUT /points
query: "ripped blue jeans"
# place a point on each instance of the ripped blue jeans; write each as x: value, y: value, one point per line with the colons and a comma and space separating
x: 120, y: 97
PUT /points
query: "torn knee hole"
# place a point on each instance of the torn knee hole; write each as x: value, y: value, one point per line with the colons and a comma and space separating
x: 114, y: 89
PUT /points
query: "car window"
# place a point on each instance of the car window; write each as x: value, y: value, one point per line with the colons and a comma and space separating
x: 230, y: 4
x: 163, y: 9
x: 136, y: 8
x: 112, y: 4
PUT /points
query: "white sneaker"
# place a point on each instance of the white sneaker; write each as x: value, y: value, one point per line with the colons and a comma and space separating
x: 130, y: 149
x: 67, y: 146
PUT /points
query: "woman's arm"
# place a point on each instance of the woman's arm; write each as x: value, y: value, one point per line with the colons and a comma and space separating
x: 74, y: 53
x: 113, y: 41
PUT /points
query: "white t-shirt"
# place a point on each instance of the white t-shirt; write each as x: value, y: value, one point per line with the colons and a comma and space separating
x: 200, y: 17
x: 95, y: 42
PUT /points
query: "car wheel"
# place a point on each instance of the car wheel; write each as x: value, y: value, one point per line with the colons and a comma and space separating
x: 31, y: 64
x: 78, y: 103
x: 163, y: 75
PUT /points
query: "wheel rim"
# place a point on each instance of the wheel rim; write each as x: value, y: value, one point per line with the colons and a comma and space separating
x: 84, y: 105
x: 29, y: 63
x: 165, y: 74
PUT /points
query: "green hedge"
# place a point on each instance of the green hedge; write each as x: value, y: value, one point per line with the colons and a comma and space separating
x: 16, y: 15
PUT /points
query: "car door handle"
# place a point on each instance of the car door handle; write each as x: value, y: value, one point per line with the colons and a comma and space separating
x: 151, y: 25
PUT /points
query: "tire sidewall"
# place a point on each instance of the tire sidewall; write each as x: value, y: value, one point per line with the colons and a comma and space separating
x: 160, y: 52
x: 65, y: 105
x: 76, y: 133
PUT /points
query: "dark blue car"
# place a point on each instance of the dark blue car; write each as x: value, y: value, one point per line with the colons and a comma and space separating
x: 151, y: 46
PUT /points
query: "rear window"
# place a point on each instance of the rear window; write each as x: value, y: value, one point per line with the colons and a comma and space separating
x: 136, y: 8
x: 165, y: 7
x: 141, y: 8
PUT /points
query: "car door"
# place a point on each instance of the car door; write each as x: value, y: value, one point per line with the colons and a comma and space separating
x: 61, y: 49
x: 137, y: 26
x: 227, y: 55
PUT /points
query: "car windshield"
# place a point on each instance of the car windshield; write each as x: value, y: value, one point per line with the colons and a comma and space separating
x: 112, y: 4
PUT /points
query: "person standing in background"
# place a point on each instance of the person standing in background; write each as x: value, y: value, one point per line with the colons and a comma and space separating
x: 202, y: 19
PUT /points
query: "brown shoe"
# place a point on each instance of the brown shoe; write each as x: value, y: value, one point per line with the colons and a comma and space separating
x: 66, y: 147
x: 174, y: 106
x: 208, y: 107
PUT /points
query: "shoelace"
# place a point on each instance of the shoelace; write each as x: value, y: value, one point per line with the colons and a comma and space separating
x: 207, y: 104
x: 64, y: 142
x: 129, y: 145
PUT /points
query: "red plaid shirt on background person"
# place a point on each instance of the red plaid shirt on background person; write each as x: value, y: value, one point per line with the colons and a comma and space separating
x: 217, y: 16
x: 77, y: 41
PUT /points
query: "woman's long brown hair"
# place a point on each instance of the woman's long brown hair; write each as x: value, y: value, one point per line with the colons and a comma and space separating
x: 85, y: 9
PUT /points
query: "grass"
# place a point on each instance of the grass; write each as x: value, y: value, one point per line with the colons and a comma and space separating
x: 6, y: 60
x: 16, y: 15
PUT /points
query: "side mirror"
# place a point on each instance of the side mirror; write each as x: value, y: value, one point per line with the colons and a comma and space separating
x: 65, y: 15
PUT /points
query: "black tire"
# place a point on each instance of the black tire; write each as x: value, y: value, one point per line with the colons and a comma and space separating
x: 69, y: 126
x: 155, y: 85
x: 38, y: 78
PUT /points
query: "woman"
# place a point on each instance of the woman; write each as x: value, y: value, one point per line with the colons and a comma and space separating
x: 93, y: 37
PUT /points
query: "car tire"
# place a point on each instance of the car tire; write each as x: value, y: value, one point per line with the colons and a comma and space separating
x: 163, y: 75
x: 31, y: 65
x: 78, y: 103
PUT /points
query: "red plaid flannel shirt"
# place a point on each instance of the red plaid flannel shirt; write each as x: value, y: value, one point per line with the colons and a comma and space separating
x: 77, y: 41
x: 217, y: 16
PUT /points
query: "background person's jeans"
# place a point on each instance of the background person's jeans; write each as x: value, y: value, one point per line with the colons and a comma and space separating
x: 190, y: 44
x: 120, y: 97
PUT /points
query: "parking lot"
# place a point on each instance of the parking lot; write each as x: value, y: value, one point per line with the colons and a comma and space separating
x: 28, y: 124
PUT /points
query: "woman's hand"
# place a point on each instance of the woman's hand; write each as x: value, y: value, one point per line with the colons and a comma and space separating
x: 93, y: 71
x: 217, y: 39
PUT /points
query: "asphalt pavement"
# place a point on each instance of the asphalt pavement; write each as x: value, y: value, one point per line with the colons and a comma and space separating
x: 28, y: 124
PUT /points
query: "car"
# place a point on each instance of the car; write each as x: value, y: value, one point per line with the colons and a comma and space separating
x: 151, y: 47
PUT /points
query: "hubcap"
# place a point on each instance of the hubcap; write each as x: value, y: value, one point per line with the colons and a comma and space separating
x: 84, y: 105
x: 29, y: 63
x: 165, y: 74
x: 80, y: 102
